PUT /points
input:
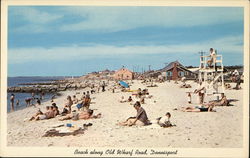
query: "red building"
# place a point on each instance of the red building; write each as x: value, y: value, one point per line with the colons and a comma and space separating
x: 123, y: 74
x: 175, y: 70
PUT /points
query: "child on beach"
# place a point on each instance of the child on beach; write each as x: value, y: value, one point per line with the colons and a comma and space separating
x: 165, y: 120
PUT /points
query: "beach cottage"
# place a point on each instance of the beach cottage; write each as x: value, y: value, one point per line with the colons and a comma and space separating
x: 176, y: 70
x: 123, y: 74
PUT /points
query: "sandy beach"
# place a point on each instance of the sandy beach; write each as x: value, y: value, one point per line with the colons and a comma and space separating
x: 220, y: 129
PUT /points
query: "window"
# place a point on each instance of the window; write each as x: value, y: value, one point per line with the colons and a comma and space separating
x: 169, y: 73
x: 181, y: 73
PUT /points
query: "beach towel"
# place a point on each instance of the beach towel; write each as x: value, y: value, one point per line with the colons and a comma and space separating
x: 64, y: 131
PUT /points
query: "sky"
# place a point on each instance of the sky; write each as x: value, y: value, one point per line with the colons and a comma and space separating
x: 73, y: 40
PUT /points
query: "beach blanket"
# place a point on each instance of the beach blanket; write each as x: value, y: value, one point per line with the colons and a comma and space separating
x: 132, y: 90
x: 63, y: 131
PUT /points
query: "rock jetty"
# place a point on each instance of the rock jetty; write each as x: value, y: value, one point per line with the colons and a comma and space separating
x: 55, y: 86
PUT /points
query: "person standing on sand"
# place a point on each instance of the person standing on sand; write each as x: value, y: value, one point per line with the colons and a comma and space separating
x: 33, y: 98
x: 12, y: 100
x: 103, y: 86
x: 201, y: 91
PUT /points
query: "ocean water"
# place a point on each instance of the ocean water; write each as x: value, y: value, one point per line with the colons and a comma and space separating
x: 15, y: 81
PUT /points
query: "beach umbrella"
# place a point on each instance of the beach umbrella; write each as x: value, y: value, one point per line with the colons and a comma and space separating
x: 124, y: 84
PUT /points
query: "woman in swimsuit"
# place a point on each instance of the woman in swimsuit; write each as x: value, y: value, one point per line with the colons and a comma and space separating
x: 203, y: 108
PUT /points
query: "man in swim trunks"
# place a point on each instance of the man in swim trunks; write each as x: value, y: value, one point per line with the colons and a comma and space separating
x: 222, y: 102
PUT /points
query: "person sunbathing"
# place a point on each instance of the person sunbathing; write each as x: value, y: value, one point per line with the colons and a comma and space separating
x: 142, y: 100
x: 39, y: 112
x: 84, y: 115
x: 130, y: 99
x: 75, y: 100
x: 140, y: 119
x: 145, y: 92
x: 139, y: 93
x: 148, y: 96
x: 69, y: 103
x: 203, y: 108
x: 42, y: 116
x: 222, y: 102
x: 55, y: 109
x: 87, y: 102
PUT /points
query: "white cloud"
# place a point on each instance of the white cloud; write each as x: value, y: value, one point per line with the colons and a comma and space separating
x: 23, y: 55
x: 35, y: 20
x: 112, y: 19
x: 35, y: 16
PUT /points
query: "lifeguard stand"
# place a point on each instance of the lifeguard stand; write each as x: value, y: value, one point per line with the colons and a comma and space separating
x: 212, y: 76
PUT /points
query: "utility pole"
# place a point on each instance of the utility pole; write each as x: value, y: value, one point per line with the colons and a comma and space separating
x: 149, y: 67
